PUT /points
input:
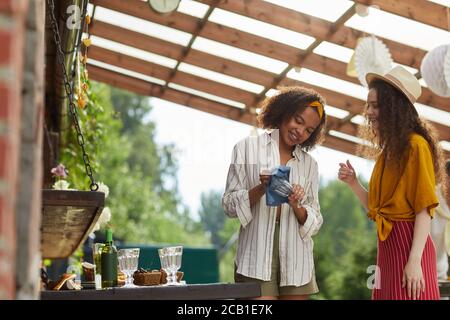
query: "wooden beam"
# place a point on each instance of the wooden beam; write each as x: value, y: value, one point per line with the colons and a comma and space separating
x: 181, y: 78
x: 355, y: 105
x: 337, y: 69
x: 344, y: 36
x: 148, y: 89
x: 145, y: 88
x: 314, y: 62
x: 340, y: 145
x: 128, y: 62
x: 319, y: 28
x: 316, y: 27
x: 427, y: 12
x: 173, y: 51
x: 136, y: 39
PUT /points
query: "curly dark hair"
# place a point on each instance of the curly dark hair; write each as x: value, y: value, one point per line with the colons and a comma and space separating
x: 287, y: 103
x: 447, y: 167
x: 397, y: 120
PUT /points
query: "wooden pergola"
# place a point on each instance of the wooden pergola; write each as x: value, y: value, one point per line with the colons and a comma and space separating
x: 321, y: 30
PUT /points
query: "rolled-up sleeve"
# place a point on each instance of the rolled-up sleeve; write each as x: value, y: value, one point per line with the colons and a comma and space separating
x: 314, y: 219
x: 235, y: 200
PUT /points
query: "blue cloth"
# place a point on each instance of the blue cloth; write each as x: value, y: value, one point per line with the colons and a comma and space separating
x: 272, y: 197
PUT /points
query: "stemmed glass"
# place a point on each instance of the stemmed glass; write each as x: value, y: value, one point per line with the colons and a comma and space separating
x: 128, y: 263
x: 170, y: 262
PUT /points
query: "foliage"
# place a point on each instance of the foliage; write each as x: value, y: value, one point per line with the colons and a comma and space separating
x: 350, y: 279
x: 345, y: 245
x: 343, y: 249
x: 212, y: 216
x: 145, y: 208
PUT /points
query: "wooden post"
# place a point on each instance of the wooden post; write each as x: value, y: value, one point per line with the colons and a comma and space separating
x: 12, y: 25
x: 28, y: 202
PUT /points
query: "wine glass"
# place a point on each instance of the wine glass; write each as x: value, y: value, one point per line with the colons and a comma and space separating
x: 170, y: 262
x: 128, y: 264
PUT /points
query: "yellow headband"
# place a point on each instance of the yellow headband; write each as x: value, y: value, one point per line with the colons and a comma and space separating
x: 319, y: 106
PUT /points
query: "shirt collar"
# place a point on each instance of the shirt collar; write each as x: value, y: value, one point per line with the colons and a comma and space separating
x: 272, y: 136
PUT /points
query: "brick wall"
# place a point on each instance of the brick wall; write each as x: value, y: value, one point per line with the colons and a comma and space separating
x: 12, y: 24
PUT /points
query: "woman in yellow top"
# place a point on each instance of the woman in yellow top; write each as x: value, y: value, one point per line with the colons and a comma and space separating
x: 401, y: 196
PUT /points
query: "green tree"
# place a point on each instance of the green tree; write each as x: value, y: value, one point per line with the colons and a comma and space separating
x: 222, y: 232
x: 351, y: 279
x: 344, y: 245
x: 212, y: 216
x: 141, y: 175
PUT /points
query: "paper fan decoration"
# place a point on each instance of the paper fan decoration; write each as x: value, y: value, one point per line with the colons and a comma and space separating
x: 371, y: 55
x: 433, y: 71
x: 447, y: 68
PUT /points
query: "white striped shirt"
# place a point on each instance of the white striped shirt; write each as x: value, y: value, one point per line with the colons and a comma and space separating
x: 255, y: 245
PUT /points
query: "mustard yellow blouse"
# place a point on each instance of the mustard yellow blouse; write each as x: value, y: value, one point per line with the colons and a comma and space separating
x: 397, y: 194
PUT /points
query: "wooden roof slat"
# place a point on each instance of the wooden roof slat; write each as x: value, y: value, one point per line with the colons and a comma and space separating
x: 145, y: 88
x: 313, y: 26
x: 187, y: 49
x: 230, y: 68
x: 314, y: 62
x: 255, y: 44
x: 173, y: 51
x: 344, y: 36
x: 351, y: 104
x: 129, y: 63
x: 316, y: 27
x: 136, y: 39
x: 423, y: 11
x: 181, y: 78
x: 355, y: 105
x: 140, y: 9
x: 337, y: 69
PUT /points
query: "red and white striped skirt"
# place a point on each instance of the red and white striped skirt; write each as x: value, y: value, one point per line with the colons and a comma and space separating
x: 392, y: 257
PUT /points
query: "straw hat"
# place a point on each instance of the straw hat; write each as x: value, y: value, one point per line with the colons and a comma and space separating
x: 402, y: 79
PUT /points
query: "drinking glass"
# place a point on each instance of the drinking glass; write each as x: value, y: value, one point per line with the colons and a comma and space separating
x: 128, y: 264
x: 170, y: 262
x: 97, y: 255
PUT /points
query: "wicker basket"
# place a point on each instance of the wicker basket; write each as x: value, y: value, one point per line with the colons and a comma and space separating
x: 164, y: 276
x: 147, y: 278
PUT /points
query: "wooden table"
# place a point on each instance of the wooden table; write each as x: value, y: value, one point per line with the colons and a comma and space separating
x: 187, y: 292
x: 444, y: 288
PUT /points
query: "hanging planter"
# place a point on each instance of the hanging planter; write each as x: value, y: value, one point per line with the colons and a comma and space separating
x: 371, y: 55
x: 69, y: 216
x: 435, y: 70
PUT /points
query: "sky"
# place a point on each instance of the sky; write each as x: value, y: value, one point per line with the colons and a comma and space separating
x: 204, y: 143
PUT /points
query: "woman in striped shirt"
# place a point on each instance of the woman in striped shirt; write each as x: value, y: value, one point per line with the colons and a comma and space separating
x: 401, y: 197
x: 275, y: 246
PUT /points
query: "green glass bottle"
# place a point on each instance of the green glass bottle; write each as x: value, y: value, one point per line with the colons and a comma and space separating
x: 109, y: 262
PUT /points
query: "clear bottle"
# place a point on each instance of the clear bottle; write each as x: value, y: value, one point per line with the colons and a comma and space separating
x: 109, y: 262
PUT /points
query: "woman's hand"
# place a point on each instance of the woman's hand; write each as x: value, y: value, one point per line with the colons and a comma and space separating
x: 296, y: 195
x: 264, y: 179
x: 413, y: 279
x: 347, y: 174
